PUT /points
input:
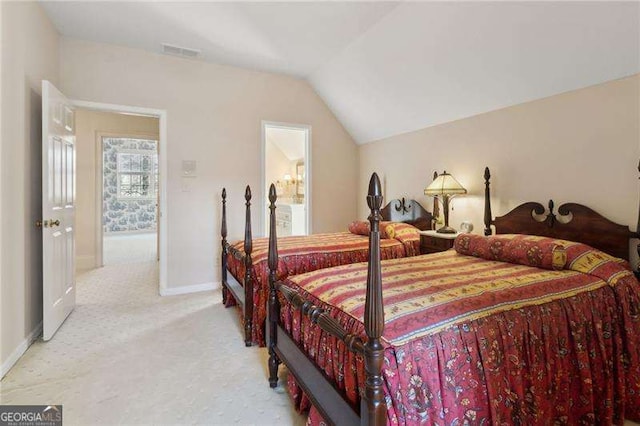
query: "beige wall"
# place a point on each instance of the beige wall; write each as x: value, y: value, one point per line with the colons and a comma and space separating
x: 89, y: 125
x: 214, y: 116
x: 29, y: 55
x: 582, y: 146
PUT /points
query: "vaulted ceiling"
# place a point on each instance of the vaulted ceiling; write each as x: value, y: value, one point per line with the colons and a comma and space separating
x: 386, y: 68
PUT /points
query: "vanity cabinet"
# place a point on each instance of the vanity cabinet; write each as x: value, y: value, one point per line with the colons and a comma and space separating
x: 290, y: 220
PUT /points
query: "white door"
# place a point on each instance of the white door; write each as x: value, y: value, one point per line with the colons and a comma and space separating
x: 58, y: 209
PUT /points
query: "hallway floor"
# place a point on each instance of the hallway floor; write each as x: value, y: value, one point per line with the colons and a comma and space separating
x: 122, y: 248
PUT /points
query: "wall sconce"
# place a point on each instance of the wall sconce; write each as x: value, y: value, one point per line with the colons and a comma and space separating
x: 288, y: 185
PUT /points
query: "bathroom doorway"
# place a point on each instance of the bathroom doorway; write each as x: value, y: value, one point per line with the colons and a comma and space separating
x: 286, y: 164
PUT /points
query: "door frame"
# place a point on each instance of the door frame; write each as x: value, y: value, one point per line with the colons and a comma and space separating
x: 100, y: 186
x: 161, y: 114
x: 307, y: 170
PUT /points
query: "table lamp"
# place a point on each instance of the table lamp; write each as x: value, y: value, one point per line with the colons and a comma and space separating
x: 446, y: 186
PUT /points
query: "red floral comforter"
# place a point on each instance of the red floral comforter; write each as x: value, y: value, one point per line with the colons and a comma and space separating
x: 474, y: 341
x: 307, y: 253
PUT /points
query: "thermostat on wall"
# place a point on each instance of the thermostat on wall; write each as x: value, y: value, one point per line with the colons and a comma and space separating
x: 189, y: 167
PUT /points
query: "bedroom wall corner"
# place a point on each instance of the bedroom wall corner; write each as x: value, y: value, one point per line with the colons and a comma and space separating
x: 581, y: 146
x: 29, y: 54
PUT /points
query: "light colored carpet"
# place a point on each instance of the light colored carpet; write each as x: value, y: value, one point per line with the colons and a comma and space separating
x: 128, y: 356
x: 122, y: 248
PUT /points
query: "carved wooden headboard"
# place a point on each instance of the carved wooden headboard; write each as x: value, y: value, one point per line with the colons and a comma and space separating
x: 575, y: 222
x: 410, y: 212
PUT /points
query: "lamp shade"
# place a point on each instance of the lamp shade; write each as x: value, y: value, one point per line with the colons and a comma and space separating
x: 444, y: 184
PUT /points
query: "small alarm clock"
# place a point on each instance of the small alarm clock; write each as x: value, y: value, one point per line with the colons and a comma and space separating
x: 466, y: 227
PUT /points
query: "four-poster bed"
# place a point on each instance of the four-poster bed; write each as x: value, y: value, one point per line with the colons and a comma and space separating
x: 244, y: 264
x: 339, y: 352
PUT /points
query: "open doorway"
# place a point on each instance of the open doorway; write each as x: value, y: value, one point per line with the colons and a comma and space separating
x: 286, y: 163
x: 118, y: 187
x: 130, y: 183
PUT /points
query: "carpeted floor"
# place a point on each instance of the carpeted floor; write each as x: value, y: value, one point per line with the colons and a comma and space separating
x: 122, y: 248
x: 128, y: 356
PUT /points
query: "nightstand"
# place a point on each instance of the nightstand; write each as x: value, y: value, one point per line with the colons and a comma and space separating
x: 433, y: 242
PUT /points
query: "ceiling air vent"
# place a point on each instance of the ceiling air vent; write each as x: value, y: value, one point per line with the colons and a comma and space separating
x: 170, y: 49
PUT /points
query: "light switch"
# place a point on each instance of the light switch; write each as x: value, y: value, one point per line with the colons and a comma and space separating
x: 187, y: 183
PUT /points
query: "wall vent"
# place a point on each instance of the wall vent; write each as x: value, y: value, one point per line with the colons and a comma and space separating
x: 185, y: 52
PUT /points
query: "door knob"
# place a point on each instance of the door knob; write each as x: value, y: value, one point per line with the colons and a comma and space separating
x: 47, y: 223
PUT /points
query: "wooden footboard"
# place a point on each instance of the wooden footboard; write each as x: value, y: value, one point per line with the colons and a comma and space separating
x: 282, y: 349
x: 242, y: 293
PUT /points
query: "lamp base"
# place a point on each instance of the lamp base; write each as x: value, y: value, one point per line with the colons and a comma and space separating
x: 446, y: 230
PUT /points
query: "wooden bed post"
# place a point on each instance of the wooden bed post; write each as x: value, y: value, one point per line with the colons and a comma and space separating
x: 487, y: 203
x: 637, y: 269
x: 436, y: 206
x: 248, y: 266
x: 373, y: 410
x: 274, y: 303
x: 223, y: 232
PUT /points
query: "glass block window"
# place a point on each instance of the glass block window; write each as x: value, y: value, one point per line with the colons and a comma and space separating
x: 137, y: 175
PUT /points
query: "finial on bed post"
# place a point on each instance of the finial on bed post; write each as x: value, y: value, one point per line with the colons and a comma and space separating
x: 436, y: 206
x: 223, y: 232
x: 487, y: 203
x: 374, y: 413
x: 274, y: 305
x: 551, y: 218
x: 248, y: 284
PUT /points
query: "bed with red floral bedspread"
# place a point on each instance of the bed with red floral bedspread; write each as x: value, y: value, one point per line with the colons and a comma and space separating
x: 300, y: 254
x: 503, y: 330
x: 508, y: 330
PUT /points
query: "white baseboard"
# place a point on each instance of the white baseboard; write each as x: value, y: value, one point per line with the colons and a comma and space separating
x: 174, y: 291
x: 21, y: 349
x: 86, y: 262
x: 133, y: 232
